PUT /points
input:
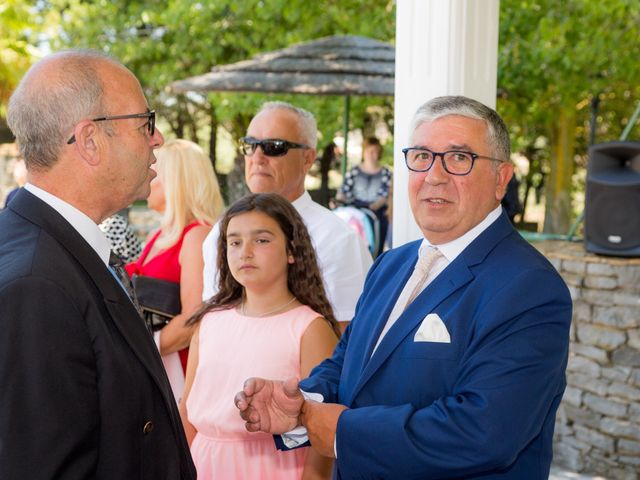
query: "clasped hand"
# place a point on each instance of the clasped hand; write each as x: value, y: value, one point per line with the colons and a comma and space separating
x: 278, y: 407
x: 270, y: 406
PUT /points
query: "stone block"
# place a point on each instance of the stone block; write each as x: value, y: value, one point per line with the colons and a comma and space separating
x: 572, y: 332
x: 620, y: 317
x: 616, y: 373
x: 606, y: 406
x: 568, y: 457
x: 572, y: 396
x: 632, y: 461
x: 594, y: 353
x: 627, y: 299
x: 602, y: 442
x: 582, y: 417
x: 604, y: 269
x: 620, y: 473
x: 619, y: 428
x: 571, y: 279
x: 574, y: 292
x: 635, y: 377
x: 577, y: 267
x: 624, y: 392
x: 626, y: 356
x: 580, y: 364
x: 597, y: 297
x: 634, y: 412
x: 629, y: 276
x: 582, y: 312
x: 634, y: 338
x: 601, y: 466
x: 628, y: 447
x: 607, y: 338
x: 588, y: 383
x: 600, y: 283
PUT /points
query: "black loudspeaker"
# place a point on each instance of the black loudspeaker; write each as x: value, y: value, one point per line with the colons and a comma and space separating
x: 612, y: 204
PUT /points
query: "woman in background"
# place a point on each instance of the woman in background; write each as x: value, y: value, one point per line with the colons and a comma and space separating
x: 187, y: 194
x: 367, y: 186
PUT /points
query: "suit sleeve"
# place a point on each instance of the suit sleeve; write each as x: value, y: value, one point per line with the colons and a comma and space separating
x: 325, y: 378
x: 509, y: 381
x: 48, y: 399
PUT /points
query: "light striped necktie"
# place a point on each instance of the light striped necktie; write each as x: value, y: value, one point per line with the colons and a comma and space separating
x: 416, y: 281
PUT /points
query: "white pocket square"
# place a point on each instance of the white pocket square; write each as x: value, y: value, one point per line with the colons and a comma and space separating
x: 432, y: 329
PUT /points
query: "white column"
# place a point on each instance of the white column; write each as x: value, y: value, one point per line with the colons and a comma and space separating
x: 443, y: 47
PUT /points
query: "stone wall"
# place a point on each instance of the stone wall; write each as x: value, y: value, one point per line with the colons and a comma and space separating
x: 598, y: 423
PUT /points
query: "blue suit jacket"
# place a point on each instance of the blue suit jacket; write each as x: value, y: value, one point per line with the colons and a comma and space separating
x: 482, y: 406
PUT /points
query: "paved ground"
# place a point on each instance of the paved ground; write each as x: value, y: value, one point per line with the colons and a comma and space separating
x: 559, y: 474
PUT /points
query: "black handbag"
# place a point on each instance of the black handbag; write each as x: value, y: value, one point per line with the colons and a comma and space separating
x: 158, y: 299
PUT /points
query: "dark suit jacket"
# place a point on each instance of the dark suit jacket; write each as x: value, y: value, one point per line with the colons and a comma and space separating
x: 83, y: 393
x: 482, y: 406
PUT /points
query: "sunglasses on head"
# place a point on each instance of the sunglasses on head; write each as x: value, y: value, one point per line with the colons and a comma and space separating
x: 272, y: 147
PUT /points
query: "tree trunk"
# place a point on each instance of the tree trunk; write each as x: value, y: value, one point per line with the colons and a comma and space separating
x: 558, y: 211
x: 213, y: 136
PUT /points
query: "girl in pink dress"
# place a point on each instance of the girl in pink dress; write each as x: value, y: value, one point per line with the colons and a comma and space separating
x: 270, y: 318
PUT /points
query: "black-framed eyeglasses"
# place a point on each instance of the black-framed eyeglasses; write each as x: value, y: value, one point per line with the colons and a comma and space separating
x: 151, y: 124
x: 455, y: 162
x: 271, y: 147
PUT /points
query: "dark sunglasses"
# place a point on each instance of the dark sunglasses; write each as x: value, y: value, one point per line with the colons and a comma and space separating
x: 272, y: 147
x: 151, y: 125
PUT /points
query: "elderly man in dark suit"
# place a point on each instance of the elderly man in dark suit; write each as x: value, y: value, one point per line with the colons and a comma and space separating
x: 83, y: 393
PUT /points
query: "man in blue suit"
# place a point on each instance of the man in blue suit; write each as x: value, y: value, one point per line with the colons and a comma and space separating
x: 453, y: 366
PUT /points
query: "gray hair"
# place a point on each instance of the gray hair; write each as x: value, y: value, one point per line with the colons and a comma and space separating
x: 45, y: 107
x: 307, y: 125
x: 438, y: 107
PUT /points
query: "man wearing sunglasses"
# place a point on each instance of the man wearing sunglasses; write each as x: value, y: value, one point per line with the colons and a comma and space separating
x: 83, y: 392
x: 453, y: 366
x: 279, y: 149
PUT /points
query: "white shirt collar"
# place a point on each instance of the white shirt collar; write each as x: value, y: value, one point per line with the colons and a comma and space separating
x: 86, y: 227
x: 452, y: 249
x: 302, y: 201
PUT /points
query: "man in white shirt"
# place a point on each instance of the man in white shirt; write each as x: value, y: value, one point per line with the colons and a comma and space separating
x: 279, y: 149
x: 453, y: 366
x: 83, y: 391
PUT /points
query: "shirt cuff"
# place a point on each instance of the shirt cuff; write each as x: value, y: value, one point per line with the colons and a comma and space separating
x: 298, y: 436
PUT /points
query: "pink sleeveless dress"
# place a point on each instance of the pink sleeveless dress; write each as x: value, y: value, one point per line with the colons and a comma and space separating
x: 233, y: 348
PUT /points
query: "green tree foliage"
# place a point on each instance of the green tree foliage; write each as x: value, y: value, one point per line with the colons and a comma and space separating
x: 555, y: 60
x: 163, y: 41
x: 17, y: 31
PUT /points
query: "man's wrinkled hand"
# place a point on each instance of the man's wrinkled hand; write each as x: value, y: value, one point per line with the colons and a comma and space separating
x: 270, y: 406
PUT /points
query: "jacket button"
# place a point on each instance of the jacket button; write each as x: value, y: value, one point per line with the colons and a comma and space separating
x: 148, y: 427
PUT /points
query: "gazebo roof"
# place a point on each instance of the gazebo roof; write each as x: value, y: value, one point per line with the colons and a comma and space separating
x: 338, y: 65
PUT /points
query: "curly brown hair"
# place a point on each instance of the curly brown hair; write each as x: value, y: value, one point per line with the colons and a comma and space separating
x: 303, y: 276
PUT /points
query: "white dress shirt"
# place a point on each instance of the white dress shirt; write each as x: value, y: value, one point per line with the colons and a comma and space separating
x: 343, y: 258
x: 86, y: 227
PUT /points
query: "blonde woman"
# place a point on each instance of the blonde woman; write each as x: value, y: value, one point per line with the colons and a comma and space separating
x: 187, y: 194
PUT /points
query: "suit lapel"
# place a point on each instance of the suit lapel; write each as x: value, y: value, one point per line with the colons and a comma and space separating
x: 386, y: 302
x: 118, y: 304
x: 453, y: 277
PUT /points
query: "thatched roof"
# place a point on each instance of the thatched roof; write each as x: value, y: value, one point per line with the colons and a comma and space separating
x: 338, y: 65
